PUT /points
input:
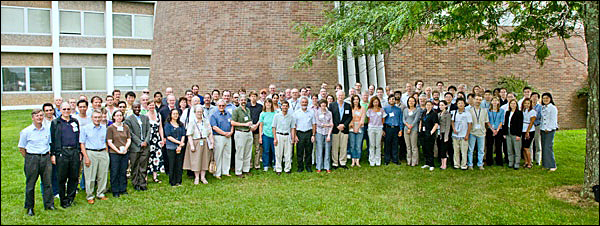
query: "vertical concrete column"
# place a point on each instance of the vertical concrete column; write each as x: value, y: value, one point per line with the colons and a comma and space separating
x: 56, y: 76
x: 380, y: 71
x: 108, y: 32
x: 351, y: 66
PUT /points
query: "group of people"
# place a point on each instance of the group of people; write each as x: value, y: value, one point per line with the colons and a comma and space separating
x: 218, y: 132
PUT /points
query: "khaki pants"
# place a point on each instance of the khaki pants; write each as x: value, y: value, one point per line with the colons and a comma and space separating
x: 412, y: 150
x: 243, y: 151
x: 96, y: 172
x: 222, y: 154
x: 461, y: 146
x: 537, y: 139
x: 283, y: 149
x: 340, y: 149
x: 258, y: 149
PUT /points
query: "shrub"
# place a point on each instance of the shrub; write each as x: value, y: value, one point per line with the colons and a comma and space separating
x: 513, y: 84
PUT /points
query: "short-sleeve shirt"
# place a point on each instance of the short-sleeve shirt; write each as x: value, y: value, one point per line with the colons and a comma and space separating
x: 94, y: 137
x: 69, y: 132
x: 83, y: 121
x: 284, y: 124
x: 527, y: 115
x: 118, y: 135
x: 461, y: 123
x: 198, y: 130
x: 323, y: 118
x: 267, y: 119
x: 241, y: 116
x: 34, y: 140
x: 375, y: 118
x: 221, y: 120
x: 496, y: 118
x: 176, y: 133
x: 304, y: 120
x: 479, y: 117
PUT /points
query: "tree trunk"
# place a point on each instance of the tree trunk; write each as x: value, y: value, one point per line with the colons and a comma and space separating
x: 591, y: 158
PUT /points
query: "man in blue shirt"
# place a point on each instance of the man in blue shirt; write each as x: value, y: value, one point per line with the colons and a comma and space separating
x: 95, y: 155
x: 222, y: 130
x: 536, y: 145
x: 34, y: 145
x: 393, y: 125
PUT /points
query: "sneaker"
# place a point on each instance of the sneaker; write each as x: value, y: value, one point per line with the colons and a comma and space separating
x: 349, y: 156
x: 266, y: 169
x: 431, y: 168
x: 57, y: 196
x: 425, y: 166
x: 481, y: 168
x: 470, y: 168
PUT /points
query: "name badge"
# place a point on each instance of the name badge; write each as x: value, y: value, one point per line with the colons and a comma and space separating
x: 410, y: 113
x: 357, y: 112
x: 477, y: 126
x: 347, y: 112
x: 424, y: 129
x: 120, y: 128
x: 228, y: 120
x: 378, y: 113
x: 246, y: 118
x: 122, y: 148
x: 75, y: 128
x: 392, y: 114
x: 201, y: 143
x: 321, y: 116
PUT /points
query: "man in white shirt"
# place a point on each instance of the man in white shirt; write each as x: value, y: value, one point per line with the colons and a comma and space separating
x: 407, y: 92
x: 82, y: 117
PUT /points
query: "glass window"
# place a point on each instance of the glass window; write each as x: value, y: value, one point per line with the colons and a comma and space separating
x: 40, y: 79
x: 143, y: 26
x: 123, y: 78
x: 93, y: 23
x: 95, y: 78
x: 141, y: 78
x: 71, y: 78
x: 13, y: 20
x: 122, y: 25
x: 13, y: 79
x: 38, y: 21
x: 70, y: 22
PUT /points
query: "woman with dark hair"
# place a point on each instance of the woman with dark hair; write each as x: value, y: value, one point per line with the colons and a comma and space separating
x: 275, y: 102
x: 324, y: 121
x: 118, y: 139
x: 175, y: 134
x: 411, y: 116
x: 493, y: 139
x: 529, y: 116
x: 549, y: 126
x: 444, y: 142
x: 330, y: 99
x: 265, y: 130
x: 428, y: 124
x: 155, y: 159
x: 356, y: 129
x: 512, y: 133
x: 376, y: 117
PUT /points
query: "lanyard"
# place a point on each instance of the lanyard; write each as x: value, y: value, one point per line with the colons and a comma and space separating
x: 199, y: 130
x: 477, y: 115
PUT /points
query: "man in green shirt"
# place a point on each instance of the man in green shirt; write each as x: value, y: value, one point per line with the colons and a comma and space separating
x: 242, y: 121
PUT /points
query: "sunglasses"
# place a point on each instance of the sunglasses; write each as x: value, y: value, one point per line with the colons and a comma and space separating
x: 221, y: 105
x: 146, y: 92
x: 66, y: 109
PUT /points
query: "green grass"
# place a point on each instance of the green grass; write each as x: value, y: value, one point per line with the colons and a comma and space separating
x: 368, y: 195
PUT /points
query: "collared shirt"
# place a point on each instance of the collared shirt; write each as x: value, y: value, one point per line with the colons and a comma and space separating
x: 479, y: 118
x: 461, y: 123
x: 404, y: 98
x: 496, y: 118
x: 209, y: 111
x: 394, y: 116
x: 139, y: 120
x: 284, y: 124
x: 221, y: 120
x: 94, y: 137
x: 340, y: 109
x: 375, y: 118
x: 294, y: 105
x: 322, y: 119
x: 198, y: 129
x: 34, y: 140
x: 46, y: 123
x: 538, y: 119
x: 304, y: 119
x: 527, y: 115
x: 83, y: 121
x: 230, y: 107
x: 57, y: 112
x: 485, y: 104
x: 549, y: 117
x: 241, y: 116
x: 267, y: 119
x: 69, y: 132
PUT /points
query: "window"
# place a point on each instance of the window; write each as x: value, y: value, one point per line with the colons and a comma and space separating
x: 23, y: 79
x: 135, y: 26
x: 84, y: 79
x: 131, y: 78
x: 78, y: 23
x: 25, y: 20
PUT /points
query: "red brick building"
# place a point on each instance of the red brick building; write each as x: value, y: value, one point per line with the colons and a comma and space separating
x: 228, y: 45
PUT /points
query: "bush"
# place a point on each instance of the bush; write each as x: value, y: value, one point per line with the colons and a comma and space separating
x: 583, y: 92
x: 513, y: 84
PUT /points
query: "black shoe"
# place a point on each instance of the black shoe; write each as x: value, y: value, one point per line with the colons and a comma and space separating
x: 278, y: 173
x: 50, y: 208
x: 124, y: 193
x: 137, y: 188
x: 64, y: 206
x: 334, y: 167
x: 300, y: 170
x: 309, y: 170
x: 387, y: 163
x: 144, y: 188
x: 116, y: 195
x: 30, y: 212
x: 289, y: 172
x: 345, y: 167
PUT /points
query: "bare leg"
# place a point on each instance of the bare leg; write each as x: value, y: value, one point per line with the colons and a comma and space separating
x: 203, y: 176
x: 197, y: 178
x: 444, y: 163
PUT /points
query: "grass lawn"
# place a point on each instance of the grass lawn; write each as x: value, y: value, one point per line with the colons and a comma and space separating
x: 368, y: 195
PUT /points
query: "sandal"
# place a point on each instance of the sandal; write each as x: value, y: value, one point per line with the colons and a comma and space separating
x: 157, y: 180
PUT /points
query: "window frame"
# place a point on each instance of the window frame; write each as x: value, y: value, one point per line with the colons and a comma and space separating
x: 133, y: 15
x: 82, y: 23
x: 27, y: 80
x: 26, y: 21
x: 134, y: 72
x: 83, y: 76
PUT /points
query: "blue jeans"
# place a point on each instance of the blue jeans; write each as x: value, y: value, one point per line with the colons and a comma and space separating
x: 480, y: 152
x: 82, y: 181
x: 54, y: 182
x: 355, y: 143
x: 323, y: 152
x: 268, y: 150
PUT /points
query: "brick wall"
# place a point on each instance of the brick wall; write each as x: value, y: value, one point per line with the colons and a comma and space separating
x: 26, y: 40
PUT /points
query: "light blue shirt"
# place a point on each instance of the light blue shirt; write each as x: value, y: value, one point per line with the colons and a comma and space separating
x: 549, y: 117
x: 484, y: 104
x: 94, y: 137
x: 34, y: 140
x: 341, y: 109
x: 304, y: 120
x: 229, y: 108
x: 538, y: 119
x: 496, y: 118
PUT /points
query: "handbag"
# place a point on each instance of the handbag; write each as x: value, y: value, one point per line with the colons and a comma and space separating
x: 212, y: 166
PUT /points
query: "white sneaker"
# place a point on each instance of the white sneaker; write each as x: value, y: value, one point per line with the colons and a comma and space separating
x: 266, y: 169
x: 431, y: 168
x: 425, y: 166
x: 349, y: 156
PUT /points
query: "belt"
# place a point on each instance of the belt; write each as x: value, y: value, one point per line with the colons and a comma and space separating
x: 69, y: 147
x: 95, y: 149
x: 308, y: 131
x: 284, y: 134
x: 242, y: 131
x: 47, y: 153
x: 388, y: 126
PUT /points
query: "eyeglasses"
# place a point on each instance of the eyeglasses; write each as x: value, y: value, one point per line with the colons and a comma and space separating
x: 221, y: 105
x: 66, y: 109
x: 146, y: 92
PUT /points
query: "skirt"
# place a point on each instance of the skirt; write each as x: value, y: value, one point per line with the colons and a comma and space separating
x: 197, y: 160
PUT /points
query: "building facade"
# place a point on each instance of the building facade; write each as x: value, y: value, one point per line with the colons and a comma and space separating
x: 68, y: 48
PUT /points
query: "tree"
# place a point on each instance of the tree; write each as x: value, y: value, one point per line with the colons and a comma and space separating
x: 383, y: 25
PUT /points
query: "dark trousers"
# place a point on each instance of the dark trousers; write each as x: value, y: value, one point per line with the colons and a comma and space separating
x: 176, y: 163
x: 139, y: 167
x: 444, y: 148
x: 365, y: 137
x: 304, y: 149
x: 232, y: 164
x: 68, y: 175
x: 493, y: 145
x: 118, y: 172
x: 390, y: 147
x: 427, y: 141
x: 165, y: 156
x: 54, y: 181
x: 401, y: 147
x: 38, y: 166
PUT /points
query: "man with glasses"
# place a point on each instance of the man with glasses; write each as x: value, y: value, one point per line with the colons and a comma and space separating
x: 65, y: 153
x: 92, y: 142
x: 196, y: 90
x: 222, y: 130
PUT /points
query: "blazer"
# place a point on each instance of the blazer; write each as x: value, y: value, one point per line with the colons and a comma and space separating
x: 346, y: 118
x: 516, y: 124
x: 134, y: 128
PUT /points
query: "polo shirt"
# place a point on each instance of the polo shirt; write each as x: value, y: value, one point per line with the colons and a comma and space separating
x: 283, y: 124
x: 221, y: 120
x: 34, y: 140
x: 69, y: 132
x: 94, y: 137
x: 304, y: 119
x: 241, y: 116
